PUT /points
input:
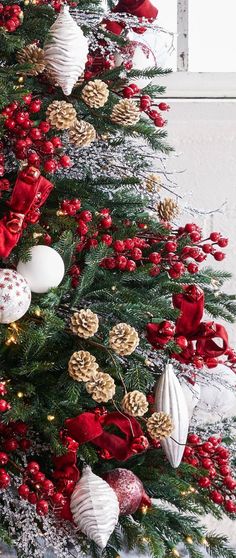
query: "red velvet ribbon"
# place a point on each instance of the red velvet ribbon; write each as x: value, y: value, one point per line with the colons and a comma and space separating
x: 30, y: 192
x: 139, y: 8
x: 203, y: 337
x: 88, y: 428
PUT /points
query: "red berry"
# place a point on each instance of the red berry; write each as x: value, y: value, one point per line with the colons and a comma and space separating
x: 230, y: 506
x: 190, y: 227
x: 121, y: 262
x: 86, y: 216
x: 50, y: 166
x: 192, y: 268
x: 159, y: 121
x: 48, y: 487
x: 3, y: 458
x: 5, y: 479
x: 195, y: 236
x: 224, y: 470
x: 229, y: 482
x: 154, y: 271
x: 32, y: 498
x: 25, y: 444
x: 153, y: 114
x: 212, y: 472
x: 44, y: 126
x: 155, y: 257
x: 145, y: 102
x: 181, y: 341
x: 163, y: 106
x: 119, y: 245
x: 65, y: 161
x: 36, y: 134
x: 107, y: 239
x: 32, y: 467
x: 207, y: 248
x: 134, y: 87
x: 188, y: 451
x: 82, y: 228
x: 207, y: 463
x: 129, y: 243
x: 106, y: 222
x: 110, y: 263
x: 21, y: 117
x: 223, y: 242
x: 11, y: 444
x: 216, y: 497
x: 21, y: 428
x: 27, y: 98
x: 23, y: 491
x: 214, y: 236
x: 128, y: 92
x: 193, y: 461
x: 56, y: 141
x: 194, y: 439
x: 4, y: 406
x: 58, y: 499
x: 219, y: 256
x: 35, y: 106
x: 136, y: 254
x: 47, y: 147
x: 171, y: 246
x: 178, y: 267
x: 223, y: 452
x: 10, y: 123
x: 207, y: 446
x: 204, y: 482
x: 105, y: 211
x: 39, y: 477
x: 131, y: 265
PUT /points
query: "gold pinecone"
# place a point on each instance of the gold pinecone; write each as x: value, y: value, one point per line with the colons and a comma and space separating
x: 61, y: 115
x: 82, y: 134
x: 167, y: 209
x: 160, y: 426
x: 135, y: 403
x: 123, y: 339
x: 125, y: 113
x: 153, y: 182
x: 32, y: 54
x: 101, y: 386
x: 84, y: 323
x: 95, y: 94
x: 82, y: 365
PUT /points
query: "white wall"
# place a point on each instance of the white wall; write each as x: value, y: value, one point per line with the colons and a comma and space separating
x: 203, y: 133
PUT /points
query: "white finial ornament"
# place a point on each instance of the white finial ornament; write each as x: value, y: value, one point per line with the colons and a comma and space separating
x: 95, y: 507
x: 66, y: 51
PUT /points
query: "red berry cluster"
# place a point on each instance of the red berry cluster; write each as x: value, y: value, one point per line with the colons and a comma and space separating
x: 30, y: 142
x: 39, y: 490
x: 128, y: 253
x: 57, y: 4
x: 145, y: 104
x: 213, y: 457
x: 97, y: 64
x: 10, y: 17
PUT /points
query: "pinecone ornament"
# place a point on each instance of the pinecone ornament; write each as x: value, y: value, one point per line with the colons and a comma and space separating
x: 82, y: 134
x: 123, y: 339
x: 153, y: 182
x: 125, y: 113
x: 160, y: 426
x: 135, y: 404
x: 61, y: 115
x: 84, y: 323
x: 32, y: 54
x: 82, y: 365
x: 101, y: 387
x: 95, y: 94
x: 167, y: 209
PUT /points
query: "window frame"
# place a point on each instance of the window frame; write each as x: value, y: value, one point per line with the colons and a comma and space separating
x: 198, y: 85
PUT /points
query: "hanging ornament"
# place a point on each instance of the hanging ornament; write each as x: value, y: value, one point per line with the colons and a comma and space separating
x: 94, y: 507
x: 128, y: 488
x: 15, y: 296
x: 45, y: 269
x: 169, y: 398
x: 65, y: 51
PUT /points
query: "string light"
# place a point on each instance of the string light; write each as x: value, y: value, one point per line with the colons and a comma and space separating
x: 175, y: 552
x: 113, y: 288
x: 37, y: 312
x: 189, y: 540
x: 60, y: 213
x: 20, y: 394
x: 50, y: 418
x: 11, y: 340
x: 21, y: 79
x: 145, y: 539
x: 37, y: 235
x: 144, y: 509
x: 204, y: 541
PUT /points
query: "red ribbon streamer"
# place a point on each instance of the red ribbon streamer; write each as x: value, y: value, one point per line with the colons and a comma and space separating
x: 30, y: 192
x: 203, y: 337
x: 88, y: 428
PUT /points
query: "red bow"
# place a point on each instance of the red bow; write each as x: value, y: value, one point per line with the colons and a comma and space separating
x: 87, y: 427
x: 203, y: 337
x: 30, y: 192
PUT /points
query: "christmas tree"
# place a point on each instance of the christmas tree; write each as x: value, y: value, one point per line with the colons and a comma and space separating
x: 107, y: 307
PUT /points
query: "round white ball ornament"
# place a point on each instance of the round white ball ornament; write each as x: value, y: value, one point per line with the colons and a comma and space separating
x: 45, y: 270
x: 15, y: 296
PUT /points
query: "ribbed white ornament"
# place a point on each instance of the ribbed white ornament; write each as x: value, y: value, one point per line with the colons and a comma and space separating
x: 95, y: 507
x: 169, y: 398
x: 65, y: 51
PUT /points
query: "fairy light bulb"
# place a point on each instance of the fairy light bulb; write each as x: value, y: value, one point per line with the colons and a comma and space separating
x: 20, y: 394
x: 50, y: 418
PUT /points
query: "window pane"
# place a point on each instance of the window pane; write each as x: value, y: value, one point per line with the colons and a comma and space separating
x: 164, y: 42
x: 212, y: 37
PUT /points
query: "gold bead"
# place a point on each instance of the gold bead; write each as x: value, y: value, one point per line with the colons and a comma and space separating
x: 50, y: 418
x: 189, y: 540
x: 144, y: 509
x: 20, y: 394
x: 175, y: 552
